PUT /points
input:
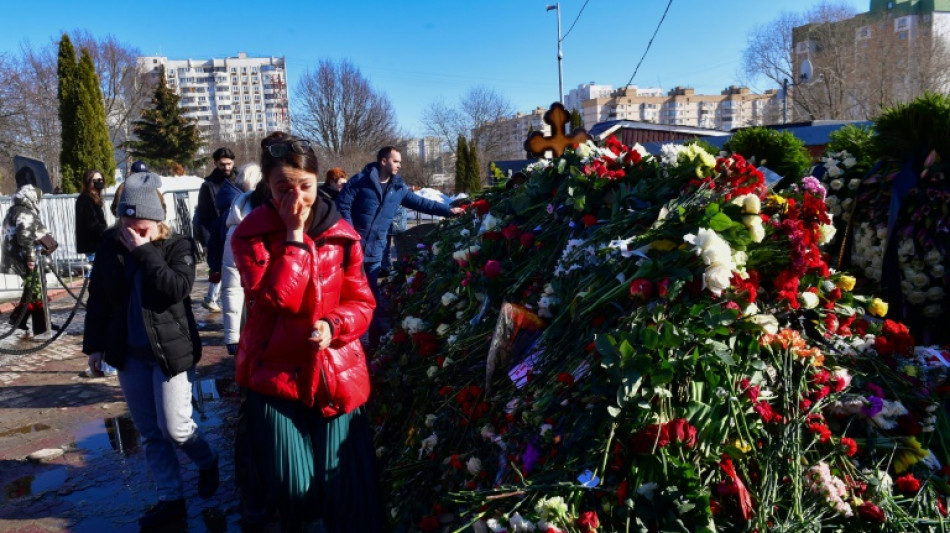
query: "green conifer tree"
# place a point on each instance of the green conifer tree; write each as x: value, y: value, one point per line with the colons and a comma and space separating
x: 461, y: 165
x: 576, y: 120
x: 474, y: 170
x: 93, y: 147
x: 165, y: 135
x: 67, y: 72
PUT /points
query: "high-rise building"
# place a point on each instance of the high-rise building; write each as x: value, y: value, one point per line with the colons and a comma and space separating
x: 229, y: 97
x: 894, y: 52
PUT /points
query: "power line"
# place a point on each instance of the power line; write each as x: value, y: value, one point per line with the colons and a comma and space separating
x: 575, y: 21
x: 651, y: 42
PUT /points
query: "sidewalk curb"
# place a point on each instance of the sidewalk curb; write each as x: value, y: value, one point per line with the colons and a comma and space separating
x: 54, y: 294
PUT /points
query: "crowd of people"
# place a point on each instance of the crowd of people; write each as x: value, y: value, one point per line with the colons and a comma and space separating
x: 294, y: 268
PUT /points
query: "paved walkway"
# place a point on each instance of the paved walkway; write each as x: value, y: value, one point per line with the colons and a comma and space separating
x: 99, y: 482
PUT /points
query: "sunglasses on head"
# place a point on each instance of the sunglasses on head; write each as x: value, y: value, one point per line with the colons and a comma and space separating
x: 280, y: 149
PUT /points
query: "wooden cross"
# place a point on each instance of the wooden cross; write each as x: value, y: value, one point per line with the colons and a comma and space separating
x: 558, y: 118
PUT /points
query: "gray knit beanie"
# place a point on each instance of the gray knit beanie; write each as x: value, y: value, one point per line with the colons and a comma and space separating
x: 139, y: 197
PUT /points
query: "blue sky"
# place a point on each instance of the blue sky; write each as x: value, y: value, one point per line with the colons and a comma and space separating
x: 418, y: 51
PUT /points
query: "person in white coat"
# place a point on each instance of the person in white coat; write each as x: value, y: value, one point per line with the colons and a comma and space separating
x: 232, y: 294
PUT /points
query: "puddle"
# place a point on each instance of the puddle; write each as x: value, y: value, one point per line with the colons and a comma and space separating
x: 25, y: 430
x: 110, y: 434
x: 35, y: 484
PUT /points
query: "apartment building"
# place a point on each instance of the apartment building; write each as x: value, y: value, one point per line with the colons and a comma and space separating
x: 892, y: 53
x: 229, y: 97
x: 510, y: 133
x: 734, y: 107
x: 426, y: 149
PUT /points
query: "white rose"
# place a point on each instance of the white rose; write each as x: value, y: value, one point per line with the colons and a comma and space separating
x: 933, y: 311
x: 433, y: 370
x: 854, y: 183
x: 832, y: 200
x: 435, y: 248
x: 849, y: 162
x: 754, y: 224
x: 474, y: 466
x: 583, y: 151
x: 449, y: 298
x: 750, y: 310
x: 935, y: 293
x: 833, y: 172
x: 917, y: 297
x: 740, y: 258
x: 768, y: 323
x: 520, y: 525
x: 835, y: 210
x: 826, y: 232
x: 937, y: 271
x: 717, y: 278
x: 920, y: 280
x: 809, y: 300
x: 430, y: 420
x: 752, y: 204
x: 442, y: 329
x: 881, y: 233
x: 933, y: 257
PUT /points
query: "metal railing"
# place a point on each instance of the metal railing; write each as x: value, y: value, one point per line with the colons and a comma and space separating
x: 58, y: 214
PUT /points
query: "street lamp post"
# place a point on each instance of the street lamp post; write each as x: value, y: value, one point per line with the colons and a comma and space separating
x: 560, y: 55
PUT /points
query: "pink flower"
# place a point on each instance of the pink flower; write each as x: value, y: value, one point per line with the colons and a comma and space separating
x: 492, y: 269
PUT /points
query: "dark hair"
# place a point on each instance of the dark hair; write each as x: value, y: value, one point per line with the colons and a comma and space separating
x: 335, y: 174
x: 223, y: 152
x: 25, y: 176
x: 87, y: 187
x: 385, y: 152
x: 306, y: 162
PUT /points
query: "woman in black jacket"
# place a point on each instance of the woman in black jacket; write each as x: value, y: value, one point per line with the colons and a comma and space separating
x: 90, y: 214
x: 139, y: 320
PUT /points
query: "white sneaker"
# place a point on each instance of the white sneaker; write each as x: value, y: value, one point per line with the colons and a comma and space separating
x: 211, y: 306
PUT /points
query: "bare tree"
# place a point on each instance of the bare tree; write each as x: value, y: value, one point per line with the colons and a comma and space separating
x: 769, y: 55
x: 339, y: 109
x: 29, y: 122
x: 474, y: 116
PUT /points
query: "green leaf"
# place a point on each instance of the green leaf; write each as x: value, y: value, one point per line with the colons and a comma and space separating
x: 721, y: 222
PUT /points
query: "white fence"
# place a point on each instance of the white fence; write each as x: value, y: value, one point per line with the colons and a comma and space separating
x: 58, y: 213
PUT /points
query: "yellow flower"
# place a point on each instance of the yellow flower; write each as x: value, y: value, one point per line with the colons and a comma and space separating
x: 846, y: 283
x: 877, y: 307
x: 663, y: 245
x: 741, y: 445
x: 910, y: 370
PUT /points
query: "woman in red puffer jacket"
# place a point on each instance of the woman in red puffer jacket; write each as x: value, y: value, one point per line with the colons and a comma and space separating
x: 308, y: 438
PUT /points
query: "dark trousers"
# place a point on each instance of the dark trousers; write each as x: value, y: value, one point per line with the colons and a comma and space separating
x: 381, y: 322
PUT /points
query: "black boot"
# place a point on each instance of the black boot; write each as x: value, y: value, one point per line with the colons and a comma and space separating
x: 19, y: 312
x: 39, y: 320
x: 165, y: 513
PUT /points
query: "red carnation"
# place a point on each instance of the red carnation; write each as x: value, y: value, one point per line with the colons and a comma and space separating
x: 589, y: 220
x: 566, y: 378
x: 871, y: 513
x: 588, y: 522
x: 429, y: 524
x: 426, y: 343
x: 511, y: 231
x: 527, y: 239
x: 641, y: 290
x: 654, y: 434
x: 400, y: 336
x: 850, y: 446
x: 492, y: 269
x: 908, y: 484
x: 481, y: 206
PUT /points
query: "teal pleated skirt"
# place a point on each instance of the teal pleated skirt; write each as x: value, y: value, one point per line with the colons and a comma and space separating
x: 320, y: 473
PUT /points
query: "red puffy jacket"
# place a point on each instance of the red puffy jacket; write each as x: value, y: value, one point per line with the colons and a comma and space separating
x: 288, y: 287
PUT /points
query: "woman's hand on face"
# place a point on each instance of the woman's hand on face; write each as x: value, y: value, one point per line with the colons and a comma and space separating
x: 321, y: 335
x: 294, y: 213
x: 131, y: 239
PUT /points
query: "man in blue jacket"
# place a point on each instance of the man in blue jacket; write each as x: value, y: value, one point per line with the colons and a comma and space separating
x: 369, y: 201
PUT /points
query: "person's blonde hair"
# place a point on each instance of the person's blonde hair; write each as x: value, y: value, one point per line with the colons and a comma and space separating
x: 164, y: 230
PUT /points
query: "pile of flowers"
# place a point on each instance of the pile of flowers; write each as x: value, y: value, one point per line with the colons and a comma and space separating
x: 630, y: 343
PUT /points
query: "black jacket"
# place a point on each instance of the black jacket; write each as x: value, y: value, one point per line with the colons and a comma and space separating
x: 90, y: 223
x: 168, y: 274
x: 206, y: 211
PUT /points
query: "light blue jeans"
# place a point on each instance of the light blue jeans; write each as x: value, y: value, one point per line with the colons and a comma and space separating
x: 161, y: 409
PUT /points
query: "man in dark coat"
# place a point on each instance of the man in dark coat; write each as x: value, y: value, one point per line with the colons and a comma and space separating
x: 369, y: 201
x: 206, y: 212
